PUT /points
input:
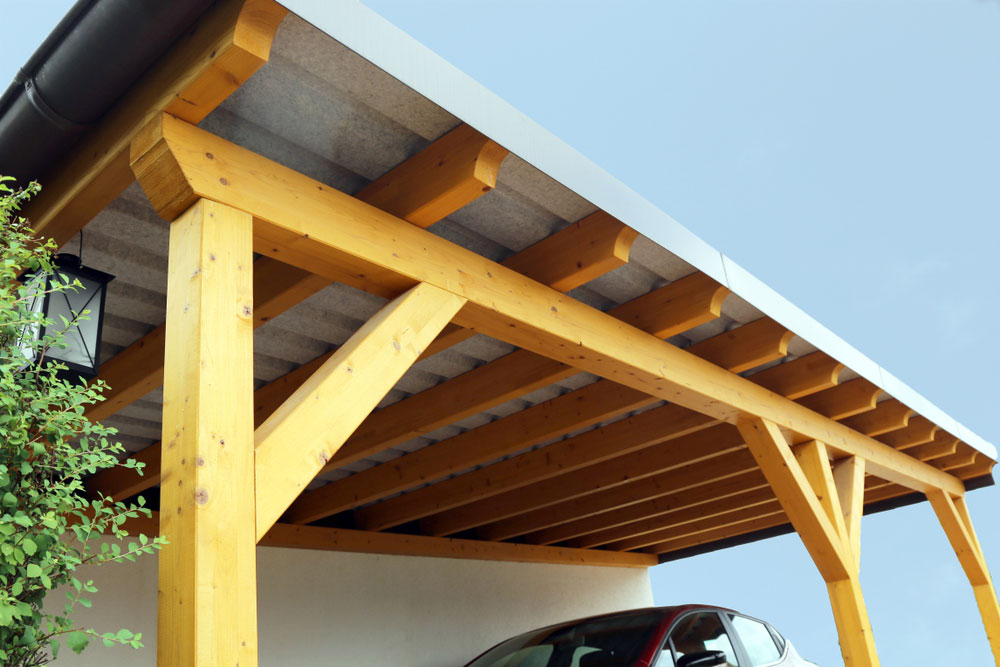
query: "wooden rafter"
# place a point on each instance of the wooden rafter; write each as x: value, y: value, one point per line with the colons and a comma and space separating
x: 919, y: 431
x: 850, y: 398
x: 801, y: 377
x: 889, y: 415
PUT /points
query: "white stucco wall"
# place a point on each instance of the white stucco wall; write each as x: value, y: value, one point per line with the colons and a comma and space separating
x: 323, y: 608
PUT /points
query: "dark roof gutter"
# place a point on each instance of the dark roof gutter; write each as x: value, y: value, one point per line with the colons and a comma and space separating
x: 91, y: 59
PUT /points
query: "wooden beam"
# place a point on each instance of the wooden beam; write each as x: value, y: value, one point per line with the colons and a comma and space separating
x: 849, y: 478
x: 890, y: 415
x: 457, y: 168
x: 851, y: 398
x: 207, y: 578
x: 944, y: 444
x: 592, y: 494
x: 327, y: 232
x: 626, y: 520
x: 761, y: 340
x: 206, y: 64
x: 517, y: 374
x: 746, y: 346
x: 716, y: 514
x: 963, y: 457
x: 800, y: 377
x: 303, y: 434
x: 919, y: 431
x: 599, y: 244
x: 336, y: 539
x: 751, y: 525
x: 454, y: 501
x: 534, y: 425
x: 682, y: 453
x: 957, y: 524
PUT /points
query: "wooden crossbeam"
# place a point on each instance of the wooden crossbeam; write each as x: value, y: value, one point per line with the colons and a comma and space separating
x: 205, y: 65
x: 593, y: 493
x: 327, y: 232
x: 584, y: 407
x: 963, y: 457
x: 747, y: 346
x: 634, y: 519
x: 845, y: 400
x: 454, y: 170
x: 800, y: 377
x: 303, y: 434
x: 953, y: 514
x: 571, y: 257
x: 522, y: 372
x: 716, y: 514
x: 889, y: 415
x: 207, y: 571
x: 944, y: 444
x: 750, y: 525
x: 493, y: 514
x: 762, y: 340
x: 919, y: 431
x: 396, y: 544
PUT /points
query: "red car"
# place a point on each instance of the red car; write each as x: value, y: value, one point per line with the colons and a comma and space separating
x: 684, y: 636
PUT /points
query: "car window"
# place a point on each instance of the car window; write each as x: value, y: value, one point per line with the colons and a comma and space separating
x: 757, y: 641
x: 697, y: 632
x: 608, y: 640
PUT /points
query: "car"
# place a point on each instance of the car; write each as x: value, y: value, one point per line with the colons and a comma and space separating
x: 678, y: 636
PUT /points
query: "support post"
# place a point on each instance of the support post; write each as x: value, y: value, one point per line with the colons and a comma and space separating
x: 954, y: 517
x: 805, y: 487
x: 207, y: 572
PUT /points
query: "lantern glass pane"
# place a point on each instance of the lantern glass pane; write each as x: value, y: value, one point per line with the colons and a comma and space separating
x: 35, y: 302
x: 81, y: 340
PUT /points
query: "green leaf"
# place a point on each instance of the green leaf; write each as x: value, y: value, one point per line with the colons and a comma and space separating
x: 29, y: 546
x: 34, y: 571
x: 77, y: 641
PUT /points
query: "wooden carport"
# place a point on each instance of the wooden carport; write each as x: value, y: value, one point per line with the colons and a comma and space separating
x: 672, y: 449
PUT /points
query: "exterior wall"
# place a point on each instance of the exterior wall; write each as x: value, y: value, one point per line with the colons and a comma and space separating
x: 323, y: 608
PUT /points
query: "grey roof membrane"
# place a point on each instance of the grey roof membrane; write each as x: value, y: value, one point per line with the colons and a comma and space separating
x: 320, y: 108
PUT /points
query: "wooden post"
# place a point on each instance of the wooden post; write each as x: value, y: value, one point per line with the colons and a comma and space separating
x: 828, y: 525
x: 954, y: 517
x: 207, y: 577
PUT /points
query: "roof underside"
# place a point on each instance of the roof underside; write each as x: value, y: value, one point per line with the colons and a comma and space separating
x: 353, y: 123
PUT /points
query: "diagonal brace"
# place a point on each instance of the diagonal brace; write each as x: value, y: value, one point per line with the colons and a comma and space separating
x: 294, y: 444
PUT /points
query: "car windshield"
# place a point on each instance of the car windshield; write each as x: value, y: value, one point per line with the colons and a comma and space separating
x: 599, y: 642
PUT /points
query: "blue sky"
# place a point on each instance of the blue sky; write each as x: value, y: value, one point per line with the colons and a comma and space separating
x: 844, y: 152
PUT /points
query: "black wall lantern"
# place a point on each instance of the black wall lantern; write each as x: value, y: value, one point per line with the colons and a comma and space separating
x: 82, y: 354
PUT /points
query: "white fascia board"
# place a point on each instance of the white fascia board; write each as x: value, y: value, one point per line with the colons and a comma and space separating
x: 386, y: 46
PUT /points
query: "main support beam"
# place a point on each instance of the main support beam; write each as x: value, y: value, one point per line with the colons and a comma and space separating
x: 809, y: 497
x: 207, y: 590
x: 329, y: 233
x: 302, y: 435
x: 954, y: 517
